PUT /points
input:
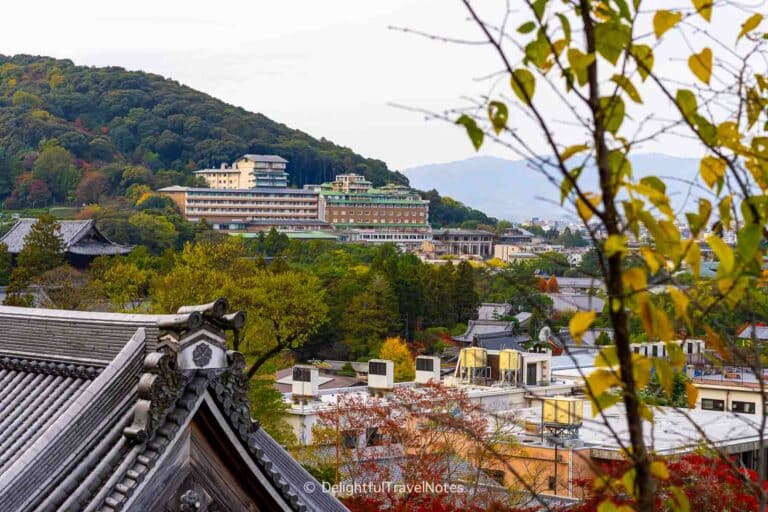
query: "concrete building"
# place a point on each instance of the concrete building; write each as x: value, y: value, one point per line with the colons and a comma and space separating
x: 249, y: 210
x: 466, y: 242
x: 248, y: 171
x: 393, y: 213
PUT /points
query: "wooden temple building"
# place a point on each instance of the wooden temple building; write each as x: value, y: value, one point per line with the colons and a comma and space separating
x: 81, y: 238
x: 122, y: 412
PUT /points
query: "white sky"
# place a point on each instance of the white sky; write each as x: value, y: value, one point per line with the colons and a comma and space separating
x: 330, y: 67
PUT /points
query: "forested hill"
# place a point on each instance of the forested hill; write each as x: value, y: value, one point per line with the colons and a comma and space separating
x: 80, y: 135
x: 106, y: 115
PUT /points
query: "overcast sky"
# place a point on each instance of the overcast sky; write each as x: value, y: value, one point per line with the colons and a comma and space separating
x: 331, y: 68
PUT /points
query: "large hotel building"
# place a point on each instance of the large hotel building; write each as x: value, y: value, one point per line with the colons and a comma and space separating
x: 252, y: 195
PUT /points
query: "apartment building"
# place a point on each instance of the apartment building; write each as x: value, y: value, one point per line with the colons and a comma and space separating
x: 248, y: 171
x: 249, y: 210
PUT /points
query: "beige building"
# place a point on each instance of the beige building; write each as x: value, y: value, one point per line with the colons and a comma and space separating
x: 248, y: 171
x: 256, y: 209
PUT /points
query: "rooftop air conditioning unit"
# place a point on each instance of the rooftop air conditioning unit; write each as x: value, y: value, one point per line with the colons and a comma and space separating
x: 427, y: 369
x: 381, y: 374
x: 305, y: 381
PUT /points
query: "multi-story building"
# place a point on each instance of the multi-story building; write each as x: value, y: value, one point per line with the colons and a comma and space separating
x: 466, y: 242
x: 248, y: 171
x: 392, y: 213
x: 253, y: 209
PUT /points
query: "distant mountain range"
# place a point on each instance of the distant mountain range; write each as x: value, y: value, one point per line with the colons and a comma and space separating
x: 509, y: 189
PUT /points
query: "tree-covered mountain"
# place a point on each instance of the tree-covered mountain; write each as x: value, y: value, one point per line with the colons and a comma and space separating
x: 79, y: 135
x: 108, y: 115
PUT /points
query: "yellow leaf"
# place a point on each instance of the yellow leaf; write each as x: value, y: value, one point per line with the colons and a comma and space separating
x: 634, y: 278
x: 662, y: 327
x: 580, y: 322
x: 680, y: 300
x: 750, y: 25
x: 572, y: 150
x: 704, y: 7
x: 693, y: 258
x: 624, y: 83
x: 701, y: 65
x: 664, y: 373
x: 659, y: 470
x: 664, y: 20
x: 692, y: 392
x: 615, y: 244
x: 583, y: 207
x: 641, y: 370
x: 607, y: 357
x: 523, y: 84
x: 723, y: 252
x: 601, y: 380
x: 712, y: 170
x: 651, y: 259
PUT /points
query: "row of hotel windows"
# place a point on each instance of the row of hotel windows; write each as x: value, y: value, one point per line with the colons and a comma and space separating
x: 374, y: 221
x: 463, y: 239
x: 367, y: 236
x: 390, y: 214
x: 241, y: 193
x: 710, y: 404
x: 193, y: 202
x: 378, y: 205
x: 226, y: 211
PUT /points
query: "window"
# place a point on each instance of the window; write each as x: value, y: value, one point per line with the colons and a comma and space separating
x: 745, y: 407
x: 350, y: 439
x: 655, y: 351
x: 551, y: 483
x: 710, y: 404
x: 373, y: 437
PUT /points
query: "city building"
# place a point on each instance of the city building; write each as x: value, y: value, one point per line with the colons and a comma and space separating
x: 393, y: 213
x: 495, y: 380
x: 81, y: 238
x: 119, y: 412
x: 249, y: 210
x: 466, y: 242
x: 248, y: 171
x: 516, y: 236
x: 553, y: 452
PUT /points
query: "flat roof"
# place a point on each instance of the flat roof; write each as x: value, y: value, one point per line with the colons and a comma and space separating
x: 673, y: 430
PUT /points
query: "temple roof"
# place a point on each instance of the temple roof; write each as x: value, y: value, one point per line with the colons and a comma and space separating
x: 98, y: 411
x: 80, y: 237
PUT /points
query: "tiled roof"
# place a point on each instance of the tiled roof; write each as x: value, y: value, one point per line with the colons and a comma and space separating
x: 85, y: 424
x: 78, y: 236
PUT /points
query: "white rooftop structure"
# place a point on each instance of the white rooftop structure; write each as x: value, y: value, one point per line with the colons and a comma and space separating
x: 672, y: 430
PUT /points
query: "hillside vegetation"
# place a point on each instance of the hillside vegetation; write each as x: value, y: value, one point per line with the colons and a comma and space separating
x: 79, y: 135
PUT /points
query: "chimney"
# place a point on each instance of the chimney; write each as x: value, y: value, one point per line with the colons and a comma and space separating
x: 381, y: 374
x: 427, y: 369
x: 305, y: 382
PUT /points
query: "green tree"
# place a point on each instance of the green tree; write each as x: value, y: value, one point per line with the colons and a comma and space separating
x: 154, y: 231
x: 43, y: 250
x: 370, y: 317
x: 467, y: 298
x: 54, y: 167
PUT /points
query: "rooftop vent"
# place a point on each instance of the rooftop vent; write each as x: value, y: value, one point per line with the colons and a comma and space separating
x: 305, y: 382
x: 427, y: 369
x: 381, y: 374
